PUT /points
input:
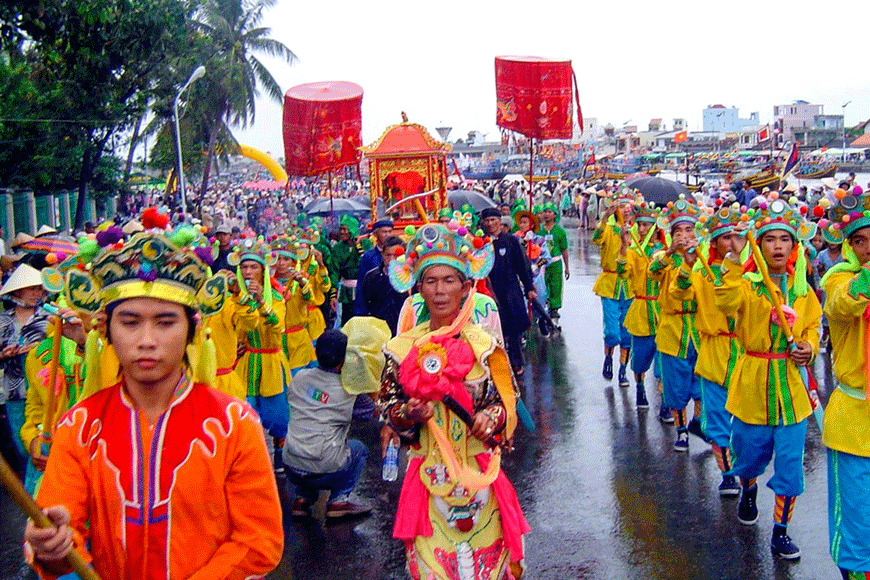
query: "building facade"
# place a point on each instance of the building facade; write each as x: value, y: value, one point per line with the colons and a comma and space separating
x: 722, y: 119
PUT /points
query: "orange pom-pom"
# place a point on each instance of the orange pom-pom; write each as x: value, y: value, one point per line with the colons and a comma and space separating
x: 152, y: 218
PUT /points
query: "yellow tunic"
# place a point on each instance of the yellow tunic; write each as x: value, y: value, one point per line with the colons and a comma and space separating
x: 718, y: 348
x: 297, y: 342
x: 263, y: 367
x: 228, y: 328
x: 643, y: 314
x: 847, y: 416
x: 37, y: 393
x: 676, y: 330
x: 608, y: 284
x: 318, y: 278
x: 766, y: 391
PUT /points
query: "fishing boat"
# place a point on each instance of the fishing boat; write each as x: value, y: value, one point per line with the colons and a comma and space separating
x: 650, y: 172
x: 816, y: 172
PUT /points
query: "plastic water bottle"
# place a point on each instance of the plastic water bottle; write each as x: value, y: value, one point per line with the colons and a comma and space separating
x: 390, y: 470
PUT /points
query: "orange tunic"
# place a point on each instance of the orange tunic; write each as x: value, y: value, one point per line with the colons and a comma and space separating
x: 190, y: 496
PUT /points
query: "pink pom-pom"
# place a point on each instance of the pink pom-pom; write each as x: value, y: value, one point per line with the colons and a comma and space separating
x: 61, y: 256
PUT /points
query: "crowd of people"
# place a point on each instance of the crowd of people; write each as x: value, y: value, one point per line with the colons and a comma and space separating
x: 164, y: 378
x: 728, y: 301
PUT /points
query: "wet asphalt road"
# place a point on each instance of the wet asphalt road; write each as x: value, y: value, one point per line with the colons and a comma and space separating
x: 604, y: 493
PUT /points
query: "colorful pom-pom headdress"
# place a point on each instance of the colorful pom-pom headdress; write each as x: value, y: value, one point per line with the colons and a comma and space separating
x: 436, y: 244
x: 255, y: 249
x: 777, y: 214
x: 850, y: 214
x: 645, y: 211
x: 723, y: 220
x: 151, y: 264
x: 676, y: 212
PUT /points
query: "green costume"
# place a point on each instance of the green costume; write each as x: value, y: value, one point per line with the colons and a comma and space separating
x: 557, y: 242
x: 345, y: 261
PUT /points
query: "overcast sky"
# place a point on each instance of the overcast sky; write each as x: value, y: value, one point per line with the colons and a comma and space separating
x: 633, y: 60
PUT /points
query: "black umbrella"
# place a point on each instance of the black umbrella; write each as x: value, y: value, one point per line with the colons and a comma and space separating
x: 338, y: 205
x: 657, y: 190
x: 458, y: 197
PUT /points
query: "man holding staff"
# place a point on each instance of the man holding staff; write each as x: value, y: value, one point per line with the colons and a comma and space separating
x: 766, y: 394
x: 159, y: 476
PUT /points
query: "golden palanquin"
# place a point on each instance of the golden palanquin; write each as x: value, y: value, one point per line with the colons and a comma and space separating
x: 408, y: 170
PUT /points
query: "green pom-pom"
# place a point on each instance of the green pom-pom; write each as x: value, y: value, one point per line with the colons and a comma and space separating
x: 479, y: 233
x: 88, y: 249
x: 183, y: 236
x: 410, y: 230
x: 867, y: 213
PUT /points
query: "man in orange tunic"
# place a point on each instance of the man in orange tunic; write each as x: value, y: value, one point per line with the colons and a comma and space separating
x: 160, y: 476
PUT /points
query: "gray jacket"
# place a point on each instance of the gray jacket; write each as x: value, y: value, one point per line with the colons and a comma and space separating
x: 320, y: 415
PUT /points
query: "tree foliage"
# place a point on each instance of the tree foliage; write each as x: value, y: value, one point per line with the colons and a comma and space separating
x: 93, y: 67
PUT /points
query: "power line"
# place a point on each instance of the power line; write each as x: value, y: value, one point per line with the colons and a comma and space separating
x: 76, y: 121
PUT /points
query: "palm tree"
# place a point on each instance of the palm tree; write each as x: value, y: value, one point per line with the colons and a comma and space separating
x: 235, y: 74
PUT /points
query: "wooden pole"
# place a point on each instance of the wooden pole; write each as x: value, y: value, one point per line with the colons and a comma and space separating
x: 51, y: 402
x: 20, y: 496
x: 531, y: 172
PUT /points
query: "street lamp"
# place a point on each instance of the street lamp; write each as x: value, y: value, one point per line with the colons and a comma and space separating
x: 844, y: 131
x: 197, y: 74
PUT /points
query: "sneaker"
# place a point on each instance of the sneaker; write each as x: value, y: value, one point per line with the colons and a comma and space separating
x: 642, y: 403
x: 346, y: 509
x: 747, y: 511
x: 623, y: 380
x: 543, y: 327
x: 782, y: 546
x: 301, y: 508
x: 729, y: 486
x: 665, y: 415
x: 607, y: 372
x: 682, y: 442
x: 695, y: 429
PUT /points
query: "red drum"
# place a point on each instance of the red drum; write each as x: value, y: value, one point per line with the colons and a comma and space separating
x: 322, y: 124
x: 534, y: 96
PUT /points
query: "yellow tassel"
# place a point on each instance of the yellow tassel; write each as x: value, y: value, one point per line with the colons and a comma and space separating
x: 93, y: 376
x: 206, y: 364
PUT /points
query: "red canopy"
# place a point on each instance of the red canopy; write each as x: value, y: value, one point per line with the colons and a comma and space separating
x: 534, y: 96
x: 322, y: 124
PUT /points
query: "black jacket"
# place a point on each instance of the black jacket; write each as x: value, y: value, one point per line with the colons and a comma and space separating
x: 511, y: 269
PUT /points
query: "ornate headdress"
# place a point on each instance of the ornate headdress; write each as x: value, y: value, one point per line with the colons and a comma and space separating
x: 435, y: 244
x: 151, y: 264
x: 722, y: 221
x: 777, y: 214
x: 645, y: 211
x: 851, y: 213
x: 255, y: 249
x: 680, y: 211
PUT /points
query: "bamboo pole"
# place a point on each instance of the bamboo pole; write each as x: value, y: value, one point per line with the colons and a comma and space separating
x: 20, y: 496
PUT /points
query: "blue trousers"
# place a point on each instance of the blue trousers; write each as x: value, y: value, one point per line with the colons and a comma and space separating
x: 274, y: 413
x: 614, y: 311
x: 679, y: 381
x: 715, y: 420
x: 755, y: 445
x: 643, y: 355
x: 340, y: 483
x: 849, y: 510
